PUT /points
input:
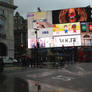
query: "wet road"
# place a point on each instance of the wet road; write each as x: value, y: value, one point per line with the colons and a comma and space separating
x: 74, y: 78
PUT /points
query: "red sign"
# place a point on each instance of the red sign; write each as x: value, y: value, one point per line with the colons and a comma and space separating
x: 90, y: 27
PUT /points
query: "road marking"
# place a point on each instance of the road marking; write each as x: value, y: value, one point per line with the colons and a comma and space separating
x: 38, y: 75
x: 64, y: 78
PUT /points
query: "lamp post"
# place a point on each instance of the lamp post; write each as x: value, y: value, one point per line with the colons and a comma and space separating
x: 73, y: 49
x: 36, y: 36
x: 36, y: 44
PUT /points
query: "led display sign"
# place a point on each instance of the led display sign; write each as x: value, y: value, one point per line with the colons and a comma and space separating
x: 90, y: 26
x: 66, y: 28
x: 74, y: 40
x: 58, y: 27
x: 83, y: 27
x: 71, y: 15
x: 32, y: 43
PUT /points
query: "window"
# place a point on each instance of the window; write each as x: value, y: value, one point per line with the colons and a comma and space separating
x: 1, y: 26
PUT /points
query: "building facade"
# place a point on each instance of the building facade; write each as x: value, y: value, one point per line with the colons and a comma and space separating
x: 20, y: 35
x: 6, y: 28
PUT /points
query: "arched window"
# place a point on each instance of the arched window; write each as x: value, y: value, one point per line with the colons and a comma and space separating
x: 1, y: 26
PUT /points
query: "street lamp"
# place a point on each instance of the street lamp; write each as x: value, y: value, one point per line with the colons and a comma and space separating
x: 73, y: 56
x: 36, y: 37
x: 36, y: 43
x: 39, y: 10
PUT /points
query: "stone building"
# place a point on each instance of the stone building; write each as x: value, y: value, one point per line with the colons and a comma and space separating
x: 6, y: 28
x: 20, y: 35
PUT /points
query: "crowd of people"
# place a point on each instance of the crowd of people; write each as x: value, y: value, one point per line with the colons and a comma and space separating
x: 66, y: 57
x: 26, y: 61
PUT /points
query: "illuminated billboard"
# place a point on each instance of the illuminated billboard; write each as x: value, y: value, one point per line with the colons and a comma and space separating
x: 66, y: 41
x: 38, y: 20
x: 71, y: 15
x: 60, y: 41
x: 47, y: 27
x: 83, y: 27
x: 46, y: 19
x: 31, y: 33
x: 32, y: 43
x: 42, y: 42
x: 46, y: 32
x: 90, y: 26
x: 46, y: 42
x: 66, y: 29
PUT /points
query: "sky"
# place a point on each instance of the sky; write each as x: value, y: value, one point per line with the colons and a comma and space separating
x: 26, y: 6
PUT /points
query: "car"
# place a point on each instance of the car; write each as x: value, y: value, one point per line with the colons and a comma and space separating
x: 9, y: 60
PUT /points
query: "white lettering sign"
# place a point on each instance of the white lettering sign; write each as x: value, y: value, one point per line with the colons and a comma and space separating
x: 74, y: 40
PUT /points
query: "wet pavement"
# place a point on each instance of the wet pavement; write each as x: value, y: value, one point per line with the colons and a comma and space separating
x: 73, y: 78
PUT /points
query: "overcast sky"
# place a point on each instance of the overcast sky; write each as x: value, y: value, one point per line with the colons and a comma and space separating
x: 25, y: 6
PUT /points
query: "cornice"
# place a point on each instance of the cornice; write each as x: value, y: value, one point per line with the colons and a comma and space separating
x: 4, y: 4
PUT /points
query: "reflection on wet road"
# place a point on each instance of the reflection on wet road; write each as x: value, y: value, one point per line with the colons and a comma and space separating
x: 76, y: 78
x: 12, y: 84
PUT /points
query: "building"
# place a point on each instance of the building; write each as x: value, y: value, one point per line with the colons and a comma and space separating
x: 6, y: 28
x: 20, y: 35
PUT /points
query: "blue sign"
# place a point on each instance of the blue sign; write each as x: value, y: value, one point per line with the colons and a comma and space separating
x: 45, y: 32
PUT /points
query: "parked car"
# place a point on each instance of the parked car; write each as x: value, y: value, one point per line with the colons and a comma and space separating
x: 9, y: 60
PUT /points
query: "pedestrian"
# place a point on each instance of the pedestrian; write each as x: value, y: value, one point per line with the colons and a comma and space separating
x: 31, y: 62
x: 28, y: 61
x: 24, y: 62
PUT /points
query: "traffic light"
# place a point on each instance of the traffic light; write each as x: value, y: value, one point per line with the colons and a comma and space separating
x: 22, y: 45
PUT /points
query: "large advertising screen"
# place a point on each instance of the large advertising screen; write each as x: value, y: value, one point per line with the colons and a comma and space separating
x: 32, y: 43
x: 66, y: 41
x: 71, y: 15
x: 60, y: 41
x: 49, y: 26
x: 46, y: 19
x: 66, y: 29
x: 46, y: 42
x: 38, y: 20
x: 45, y: 32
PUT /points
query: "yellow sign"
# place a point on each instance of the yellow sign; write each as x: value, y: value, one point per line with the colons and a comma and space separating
x: 66, y: 27
x: 39, y: 15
